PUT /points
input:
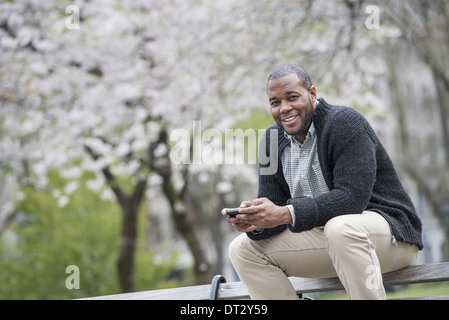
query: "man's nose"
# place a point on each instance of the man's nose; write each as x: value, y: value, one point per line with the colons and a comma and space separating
x: 285, y: 106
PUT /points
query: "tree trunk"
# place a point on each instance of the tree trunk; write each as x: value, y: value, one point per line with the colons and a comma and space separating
x: 130, y: 208
x: 186, y: 228
x: 126, y: 258
x: 177, y: 201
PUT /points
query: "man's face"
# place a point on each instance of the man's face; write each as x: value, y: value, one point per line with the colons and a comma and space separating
x: 291, y: 105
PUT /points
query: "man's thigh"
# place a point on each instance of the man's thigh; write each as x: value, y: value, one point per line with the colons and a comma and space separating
x: 372, y: 231
x: 296, y: 254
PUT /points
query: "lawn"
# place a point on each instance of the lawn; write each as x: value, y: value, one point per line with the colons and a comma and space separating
x: 413, y: 290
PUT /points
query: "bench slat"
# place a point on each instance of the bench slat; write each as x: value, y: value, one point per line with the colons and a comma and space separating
x: 413, y: 274
x: 418, y: 274
x: 236, y: 290
x: 183, y: 293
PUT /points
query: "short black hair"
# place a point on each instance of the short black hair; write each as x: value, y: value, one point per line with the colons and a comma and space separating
x: 288, y: 69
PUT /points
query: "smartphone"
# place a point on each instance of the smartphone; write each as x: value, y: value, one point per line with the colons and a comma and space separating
x: 232, y: 212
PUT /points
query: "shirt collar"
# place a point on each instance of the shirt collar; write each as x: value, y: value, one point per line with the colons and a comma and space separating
x: 310, y: 133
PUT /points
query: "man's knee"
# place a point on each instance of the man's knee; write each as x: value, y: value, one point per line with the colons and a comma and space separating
x: 236, y: 247
x: 343, y: 228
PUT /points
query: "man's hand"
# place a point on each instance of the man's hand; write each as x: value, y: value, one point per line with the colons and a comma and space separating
x: 239, y: 225
x: 265, y: 214
x: 259, y: 214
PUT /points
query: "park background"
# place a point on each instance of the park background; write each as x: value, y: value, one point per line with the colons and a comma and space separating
x: 91, y: 93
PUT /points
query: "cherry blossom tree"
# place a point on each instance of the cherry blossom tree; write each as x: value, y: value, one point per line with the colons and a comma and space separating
x: 104, y: 93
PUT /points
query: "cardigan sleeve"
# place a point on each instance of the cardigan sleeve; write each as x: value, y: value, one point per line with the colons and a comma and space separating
x: 269, y: 188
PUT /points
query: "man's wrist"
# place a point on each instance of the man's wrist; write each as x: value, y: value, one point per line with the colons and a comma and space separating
x: 292, y: 214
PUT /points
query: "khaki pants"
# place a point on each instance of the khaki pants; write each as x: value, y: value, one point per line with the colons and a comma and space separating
x: 357, y: 248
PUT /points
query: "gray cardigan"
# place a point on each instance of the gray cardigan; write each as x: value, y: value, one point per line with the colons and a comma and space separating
x: 358, y: 172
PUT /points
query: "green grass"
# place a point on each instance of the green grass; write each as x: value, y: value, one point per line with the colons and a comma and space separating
x: 412, y: 290
x: 420, y: 290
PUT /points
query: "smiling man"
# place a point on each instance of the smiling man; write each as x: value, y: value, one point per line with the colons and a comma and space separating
x: 334, y: 207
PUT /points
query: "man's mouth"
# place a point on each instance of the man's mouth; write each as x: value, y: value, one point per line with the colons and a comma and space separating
x: 289, y: 119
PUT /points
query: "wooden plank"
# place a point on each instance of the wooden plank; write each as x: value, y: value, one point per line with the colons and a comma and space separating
x: 413, y: 274
x: 236, y: 290
x: 183, y: 293
x: 418, y: 274
x: 305, y: 285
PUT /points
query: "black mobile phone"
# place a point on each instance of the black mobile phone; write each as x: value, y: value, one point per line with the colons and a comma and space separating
x: 232, y: 212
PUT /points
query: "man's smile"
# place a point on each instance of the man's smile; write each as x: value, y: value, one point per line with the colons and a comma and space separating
x: 288, y: 120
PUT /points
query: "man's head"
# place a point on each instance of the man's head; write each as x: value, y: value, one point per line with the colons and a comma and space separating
x: 292, y: 99
x: 288, y: 69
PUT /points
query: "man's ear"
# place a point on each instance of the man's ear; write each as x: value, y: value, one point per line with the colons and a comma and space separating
x: 313, y: 94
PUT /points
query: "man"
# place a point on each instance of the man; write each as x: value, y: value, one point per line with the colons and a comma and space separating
x: 334, y: 206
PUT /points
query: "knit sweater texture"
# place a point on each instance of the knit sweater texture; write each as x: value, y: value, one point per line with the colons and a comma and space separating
x: 358, y: 172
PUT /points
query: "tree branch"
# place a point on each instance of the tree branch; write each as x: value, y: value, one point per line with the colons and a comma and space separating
x: 110, y: 178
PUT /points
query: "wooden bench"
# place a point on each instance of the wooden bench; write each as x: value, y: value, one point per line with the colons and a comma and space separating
x: 435, y: 272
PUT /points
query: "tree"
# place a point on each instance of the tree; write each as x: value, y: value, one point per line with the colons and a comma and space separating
x: 110, y: 90
x: 423, y: 26
x: 393, y: 62
x: 51, y: 239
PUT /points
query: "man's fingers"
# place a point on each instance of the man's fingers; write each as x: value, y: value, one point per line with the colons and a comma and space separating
x: 244, y: 227
x: 250, y: 210
x: 259, y: 201
x: 247, y: 218
x: 246, y: 204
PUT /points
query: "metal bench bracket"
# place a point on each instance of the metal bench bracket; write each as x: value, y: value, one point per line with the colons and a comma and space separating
x: 215, y: 286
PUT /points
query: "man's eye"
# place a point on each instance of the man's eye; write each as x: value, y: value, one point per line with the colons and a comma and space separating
x: 292, y: 98
x: 274, y: 103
